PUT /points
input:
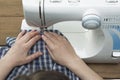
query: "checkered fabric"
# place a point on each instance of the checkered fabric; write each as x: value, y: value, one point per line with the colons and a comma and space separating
x: 44, y: 62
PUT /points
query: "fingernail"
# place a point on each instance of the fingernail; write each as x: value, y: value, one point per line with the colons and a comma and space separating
x: 42, y: 36
x: 24, y: 31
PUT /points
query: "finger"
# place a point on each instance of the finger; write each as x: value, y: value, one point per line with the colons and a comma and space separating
x: 60, y: 38
x: 53, y: 34
x: 32, y: 57
x: 57, y: 36
x: 50, y: 52
x: 32, y: 41
x: 20, y: 35
x: 48, y: 41
x: 51, y: 37
x: 29, y: 35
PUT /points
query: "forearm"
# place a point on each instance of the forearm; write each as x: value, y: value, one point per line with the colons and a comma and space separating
x: 83, y: 71
x: 5, y: 68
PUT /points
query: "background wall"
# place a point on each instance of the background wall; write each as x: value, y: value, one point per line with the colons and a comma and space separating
x: 11, y: 16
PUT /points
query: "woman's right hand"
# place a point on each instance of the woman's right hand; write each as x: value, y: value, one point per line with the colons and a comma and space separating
x: 59, y: 48
x: 63, y: 53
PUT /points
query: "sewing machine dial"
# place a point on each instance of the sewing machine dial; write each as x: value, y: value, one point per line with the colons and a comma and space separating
x: 91, y: 21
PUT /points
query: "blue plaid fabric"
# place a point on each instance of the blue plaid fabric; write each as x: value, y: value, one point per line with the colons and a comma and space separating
x: 44, y: 62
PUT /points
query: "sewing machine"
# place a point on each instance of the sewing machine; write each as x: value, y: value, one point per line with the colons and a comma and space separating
x: 91, y: 26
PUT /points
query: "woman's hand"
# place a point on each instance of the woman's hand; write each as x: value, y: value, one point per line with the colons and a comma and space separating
x: 63, y: 53
x: 18, y: 54
x: 59, y: 48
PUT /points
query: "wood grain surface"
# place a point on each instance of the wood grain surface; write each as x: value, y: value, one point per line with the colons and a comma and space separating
x: 11, y: 15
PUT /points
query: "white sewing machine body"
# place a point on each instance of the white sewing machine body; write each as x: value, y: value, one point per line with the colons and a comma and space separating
x: 91, y: 26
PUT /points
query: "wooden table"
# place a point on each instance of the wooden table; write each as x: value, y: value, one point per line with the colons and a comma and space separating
x: 11, y: 16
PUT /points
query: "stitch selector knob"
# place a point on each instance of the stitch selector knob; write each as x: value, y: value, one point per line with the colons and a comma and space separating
x: 91, y: 21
